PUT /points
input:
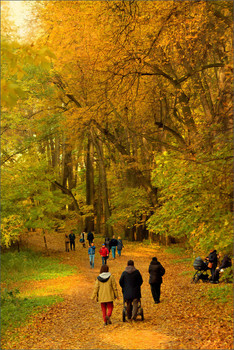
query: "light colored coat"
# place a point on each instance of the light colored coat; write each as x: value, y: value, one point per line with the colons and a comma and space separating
x: 105, y: 292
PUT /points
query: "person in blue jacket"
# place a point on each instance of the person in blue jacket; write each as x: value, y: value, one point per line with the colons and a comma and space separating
x: 91, y: 253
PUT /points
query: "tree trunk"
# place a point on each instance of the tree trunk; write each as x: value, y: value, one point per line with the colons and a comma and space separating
x: 103, y: 180
x: 89, y: 220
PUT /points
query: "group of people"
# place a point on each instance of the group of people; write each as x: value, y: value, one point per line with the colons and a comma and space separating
x: 105, y: 289
x: 212, y: 263
x: 107, y: 247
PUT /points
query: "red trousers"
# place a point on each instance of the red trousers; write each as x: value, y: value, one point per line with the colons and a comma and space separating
x: 107, y: 307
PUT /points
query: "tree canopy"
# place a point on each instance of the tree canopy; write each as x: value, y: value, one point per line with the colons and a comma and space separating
x: 120, y: 113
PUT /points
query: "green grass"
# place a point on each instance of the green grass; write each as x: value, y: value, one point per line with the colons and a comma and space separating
x: 175, y: 250
x: 183, y: 260
x: 27, y: 265
x: 218, y: 293
x: 15, y: 311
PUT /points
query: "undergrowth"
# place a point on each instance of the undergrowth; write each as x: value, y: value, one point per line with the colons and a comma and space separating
x: 28, y: 265
x: 16, y: 310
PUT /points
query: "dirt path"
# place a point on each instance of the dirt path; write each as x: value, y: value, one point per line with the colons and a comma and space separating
x: 178, y: 322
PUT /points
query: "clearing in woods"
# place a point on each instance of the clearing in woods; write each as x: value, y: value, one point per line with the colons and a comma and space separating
x: 184, y: 319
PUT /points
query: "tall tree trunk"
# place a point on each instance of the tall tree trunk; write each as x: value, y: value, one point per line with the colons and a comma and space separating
x: 89, y: 220
x: 103, y: 180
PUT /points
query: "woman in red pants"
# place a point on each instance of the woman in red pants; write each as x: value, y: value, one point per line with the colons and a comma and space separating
x: 105, y: 292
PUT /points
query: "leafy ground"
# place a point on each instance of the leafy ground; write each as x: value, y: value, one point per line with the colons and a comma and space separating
x: 190, y: 316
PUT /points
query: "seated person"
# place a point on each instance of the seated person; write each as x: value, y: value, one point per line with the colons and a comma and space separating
x: 226, y: 262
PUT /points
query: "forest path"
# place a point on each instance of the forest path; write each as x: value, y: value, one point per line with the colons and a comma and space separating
x: 178, y: 322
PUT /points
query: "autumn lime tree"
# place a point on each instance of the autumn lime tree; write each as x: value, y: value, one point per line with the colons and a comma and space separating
x: 134, y: 115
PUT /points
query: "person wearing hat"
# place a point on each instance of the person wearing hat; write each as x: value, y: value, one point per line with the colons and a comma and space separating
x: 104, y: 252
x: 156, y: 271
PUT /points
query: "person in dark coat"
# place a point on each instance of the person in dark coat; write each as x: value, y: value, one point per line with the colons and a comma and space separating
x: 213, y: 260
x: 131, y: 281
x: 225, y: 263
x: 107, y: 243
x: 113, y: 245
x: 119, y: 245
x: 90, y: 237
x: 72, y: 238
x: 156, y: 271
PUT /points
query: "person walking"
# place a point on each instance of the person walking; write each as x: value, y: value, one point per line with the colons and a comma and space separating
x: 105, y: 292
x: 67, y: 240
x: 107, y: 243
x: 113, y: 245
x: 90, y: 237
x: 156, y: 271
x: 119, y: 246
x: 131, y: 281
x: 83, y: 237
x: 104, y: 252
x: 72, y: 238
x: 91, y: 253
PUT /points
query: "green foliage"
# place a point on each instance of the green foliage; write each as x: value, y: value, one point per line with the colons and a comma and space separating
x: 227, y: 275
x: 220, y: 294
x: 15, y: 310
x: 128, y: 205
x: 27, y: 265
x: 175, y: 250
x: 194, y: 199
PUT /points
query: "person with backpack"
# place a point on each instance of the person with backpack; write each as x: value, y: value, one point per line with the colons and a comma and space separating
x: 91, y: 253
x: 90, y: 237
x: 105, y: 292
x: 83, y: 237
x: 119, y: 246
x: 156, y: 271
x: 72, y: 238
x: 104, y: 252
x: 113, y: 245
x: 131, y: 281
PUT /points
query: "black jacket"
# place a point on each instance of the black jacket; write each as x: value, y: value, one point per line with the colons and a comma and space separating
x: 113, y: 242
x: 90, y: 236
x: 156, y: 271
x: 131, y: 281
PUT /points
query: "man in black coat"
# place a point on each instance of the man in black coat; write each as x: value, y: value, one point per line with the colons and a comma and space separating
x: 156, y: 271
x: 90, y: 237
x: 131, y: 281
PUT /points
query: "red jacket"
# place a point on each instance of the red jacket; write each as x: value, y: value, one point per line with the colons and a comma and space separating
x: 104, y: 251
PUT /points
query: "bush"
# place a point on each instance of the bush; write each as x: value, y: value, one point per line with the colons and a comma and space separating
x: 227, y: 275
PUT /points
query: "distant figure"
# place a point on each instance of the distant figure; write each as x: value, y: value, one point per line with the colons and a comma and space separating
x: 67, y: 240
x: 104, y: 252
x: 107, y: 243
x: 83, y: 237
x: 113, y: 245
x: 72, y: 238
x: 91, y: 253
x: 212, y: 259
x: 105, y: 292
x: 90, y: 237
x: 156, y: 271
x: 131, y: 281
x: 119, y: 245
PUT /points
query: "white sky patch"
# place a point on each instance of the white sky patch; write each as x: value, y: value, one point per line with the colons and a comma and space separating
x: 20, y: 14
